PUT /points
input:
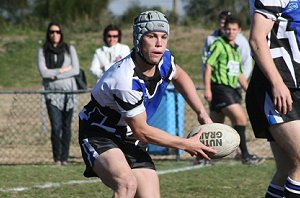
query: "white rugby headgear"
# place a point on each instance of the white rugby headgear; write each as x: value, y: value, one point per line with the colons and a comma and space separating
x: 149, y: 21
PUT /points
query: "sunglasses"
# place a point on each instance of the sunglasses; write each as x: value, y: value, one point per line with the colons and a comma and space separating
x: 54, y: 31
x: 112, y: 36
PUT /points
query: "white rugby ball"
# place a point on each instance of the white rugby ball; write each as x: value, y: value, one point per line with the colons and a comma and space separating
x: 222, y: 137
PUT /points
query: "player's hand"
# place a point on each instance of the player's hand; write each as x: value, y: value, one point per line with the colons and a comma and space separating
x: 203, y: 118
x: 282, y: 98
x: 197, y: 148
x: 208, y: 95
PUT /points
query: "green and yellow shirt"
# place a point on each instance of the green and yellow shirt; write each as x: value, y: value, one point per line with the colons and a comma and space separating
x: 226, y: 63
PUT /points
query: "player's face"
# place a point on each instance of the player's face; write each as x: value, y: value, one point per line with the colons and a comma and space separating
x: 153, y: 46
x: 112, y: 37
x: 232, y: 30
x: 55, y: 34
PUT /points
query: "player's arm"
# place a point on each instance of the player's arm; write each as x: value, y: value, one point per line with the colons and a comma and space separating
x: 186, y: 87
x: 207, y: 83
x: 243, y: 82
x: 213, y: 59
x: 260, y: 29
x: 148, y: 134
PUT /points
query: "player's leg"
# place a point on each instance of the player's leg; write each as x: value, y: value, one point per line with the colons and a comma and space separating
x: 283, y: 166
x: 236, y: 114
x: 114, y: 171
x: 238, y: 118
x: 217, y: 117
x: 287, y: 137
x: 148, y: 183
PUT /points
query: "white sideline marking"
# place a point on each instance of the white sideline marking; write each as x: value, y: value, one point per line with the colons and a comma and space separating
x: 71, y: 182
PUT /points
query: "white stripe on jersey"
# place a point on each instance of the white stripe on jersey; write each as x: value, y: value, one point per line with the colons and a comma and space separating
x: 281, y: 52
x: 268, y: 3
x: 276, y: 3
x: 290, y: 35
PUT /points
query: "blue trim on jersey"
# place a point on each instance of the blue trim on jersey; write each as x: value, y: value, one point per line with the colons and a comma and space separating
x: 292, y: 12
x: 152, y: 102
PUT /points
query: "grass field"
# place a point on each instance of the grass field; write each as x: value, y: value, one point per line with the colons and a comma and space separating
x: 227, y: 178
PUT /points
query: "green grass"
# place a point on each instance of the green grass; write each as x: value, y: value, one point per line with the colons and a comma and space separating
x: 224, y: 179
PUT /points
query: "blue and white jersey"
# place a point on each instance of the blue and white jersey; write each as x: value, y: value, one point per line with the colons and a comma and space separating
x: 284, y: 39
x: 121, y: 93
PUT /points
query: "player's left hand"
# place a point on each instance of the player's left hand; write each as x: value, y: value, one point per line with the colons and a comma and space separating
x: 203, y: 118
x: 282, y: 98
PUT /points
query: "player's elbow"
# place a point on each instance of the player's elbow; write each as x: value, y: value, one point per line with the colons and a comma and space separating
x: 254, y: 42
x: 141, y: 135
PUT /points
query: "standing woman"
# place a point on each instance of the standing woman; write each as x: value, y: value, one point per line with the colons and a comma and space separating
x: 111, y: 52
x: 58, y: 64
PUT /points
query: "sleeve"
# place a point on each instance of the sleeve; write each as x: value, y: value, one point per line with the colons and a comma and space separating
x: 74, y: 63
x: 125, y: 51
x: 204, y: 55
x: 270, y: 9
x: 96, y: 68
x: 213, y: 54
x: 103, y: 60
x: 129, y: 102
x: 41, y: 63
x: 245, y: 52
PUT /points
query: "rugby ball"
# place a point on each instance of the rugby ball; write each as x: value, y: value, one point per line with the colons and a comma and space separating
x: 221, y: 137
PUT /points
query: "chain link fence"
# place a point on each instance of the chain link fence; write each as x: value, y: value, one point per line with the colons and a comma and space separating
x: 25, y: 127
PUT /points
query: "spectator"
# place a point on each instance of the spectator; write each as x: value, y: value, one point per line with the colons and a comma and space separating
x: 58, y: 64
x: 240, y: 40
x: 110, y: 53
x: 272, y: 99
x: 113, y: 129
x: 222, y: 74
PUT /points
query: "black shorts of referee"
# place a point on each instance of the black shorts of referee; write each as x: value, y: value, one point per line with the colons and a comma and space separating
x: 223, y: 96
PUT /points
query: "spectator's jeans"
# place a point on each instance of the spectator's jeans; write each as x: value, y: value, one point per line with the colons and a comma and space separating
x: 60, y: 122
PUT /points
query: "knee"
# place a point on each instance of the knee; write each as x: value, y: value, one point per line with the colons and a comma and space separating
x: 56, y: 127
x: 132, y: 184
x: 127, y: 185
x: 241, y: 121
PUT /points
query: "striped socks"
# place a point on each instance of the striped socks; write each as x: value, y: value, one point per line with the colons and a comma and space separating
x: 274, y: 191
x: 292, y: 189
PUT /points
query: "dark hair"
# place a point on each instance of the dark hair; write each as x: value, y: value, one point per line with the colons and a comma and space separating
x: 232, y: 19
x: 48, y: 43
x: 224, y: 14
x: 112, y: 27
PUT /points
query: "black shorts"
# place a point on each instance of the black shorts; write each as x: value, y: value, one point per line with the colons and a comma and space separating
x: 93, y: 145
x: 261, y: 111
x: 223, y: 96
